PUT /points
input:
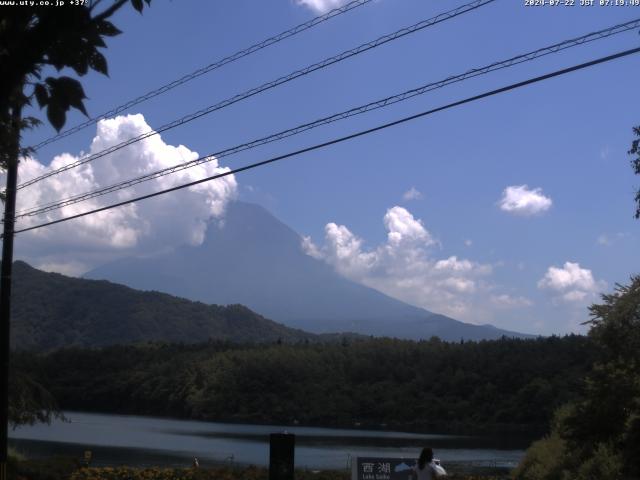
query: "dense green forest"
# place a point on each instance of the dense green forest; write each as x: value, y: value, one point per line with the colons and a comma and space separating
x: 508, y: 384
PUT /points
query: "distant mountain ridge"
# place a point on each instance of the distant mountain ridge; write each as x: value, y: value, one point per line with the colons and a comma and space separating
x: 51, y: 311
x: 255, y: 260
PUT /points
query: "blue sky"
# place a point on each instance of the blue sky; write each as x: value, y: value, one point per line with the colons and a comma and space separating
x: 567, y: 137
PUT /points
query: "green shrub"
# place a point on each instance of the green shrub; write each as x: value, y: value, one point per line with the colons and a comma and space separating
x: 543, y: 460
x: 605, y: 464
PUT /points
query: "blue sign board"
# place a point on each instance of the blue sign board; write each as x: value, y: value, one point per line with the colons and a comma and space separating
x: 377, y: 468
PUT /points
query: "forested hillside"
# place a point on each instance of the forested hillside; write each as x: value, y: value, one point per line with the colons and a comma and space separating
x: 508, y: 384
x: 51, y: 311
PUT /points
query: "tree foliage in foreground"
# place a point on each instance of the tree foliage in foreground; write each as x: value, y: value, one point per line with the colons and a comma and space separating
x: 510, y: 384
x: 30, y: 401
x: 38, y: 42
x: 598, y: 435
x: 635, y: 163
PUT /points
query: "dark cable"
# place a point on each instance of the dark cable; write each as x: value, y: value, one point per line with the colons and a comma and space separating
x: 201, y: 71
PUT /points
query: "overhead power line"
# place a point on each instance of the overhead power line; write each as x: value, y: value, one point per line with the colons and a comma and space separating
x: 269, y: 85
x: 206, y: 69
x: 361, y: 133
x: 529, y: 56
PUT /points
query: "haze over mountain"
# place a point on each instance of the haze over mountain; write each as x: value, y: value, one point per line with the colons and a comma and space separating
x: 255, y: 260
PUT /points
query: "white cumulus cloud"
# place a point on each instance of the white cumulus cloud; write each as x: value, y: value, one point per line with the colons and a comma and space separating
x: 571, y: 282
x: 520, y: 200
x: 167, y: 221
x: 322, y: 6
x: 403, y: 228
x: 404, y: 266
x: 412, y: 194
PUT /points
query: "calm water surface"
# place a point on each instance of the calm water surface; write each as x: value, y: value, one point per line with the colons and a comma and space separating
x: 119, y: 439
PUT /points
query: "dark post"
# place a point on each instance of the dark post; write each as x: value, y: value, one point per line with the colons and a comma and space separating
x: 281, y: 455
x: 5, y: 289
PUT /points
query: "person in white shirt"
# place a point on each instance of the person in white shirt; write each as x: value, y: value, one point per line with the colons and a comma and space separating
x: 427, y: 468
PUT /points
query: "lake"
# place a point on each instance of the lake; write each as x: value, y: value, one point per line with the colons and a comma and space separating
x: 143, y: 441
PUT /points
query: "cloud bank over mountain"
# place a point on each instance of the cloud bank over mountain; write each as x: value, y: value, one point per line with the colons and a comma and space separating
x: 145, y: 227
x: 406, y: 267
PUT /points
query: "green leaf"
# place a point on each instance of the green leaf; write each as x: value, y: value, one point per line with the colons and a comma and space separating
x: 57, y: 115
x: 55, y: 56
x: 79, y: 105
x: 42, y: 95
x: 81, y: 67
x: 73, y: 92
x: 138, y: 5
x: 69, y: 87
x: 107, y: 29
x: 94, y: 38
x: 98, y: 63
x: 65, y: 92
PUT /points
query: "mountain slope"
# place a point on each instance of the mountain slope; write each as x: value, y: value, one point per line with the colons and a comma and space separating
x: 256, y: 260
x: 50, y: 311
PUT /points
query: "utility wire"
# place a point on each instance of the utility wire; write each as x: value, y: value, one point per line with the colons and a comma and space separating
x: 269, y: 85
x: 361, y: 133
x: 526, y: 57
x: 201, y: 71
